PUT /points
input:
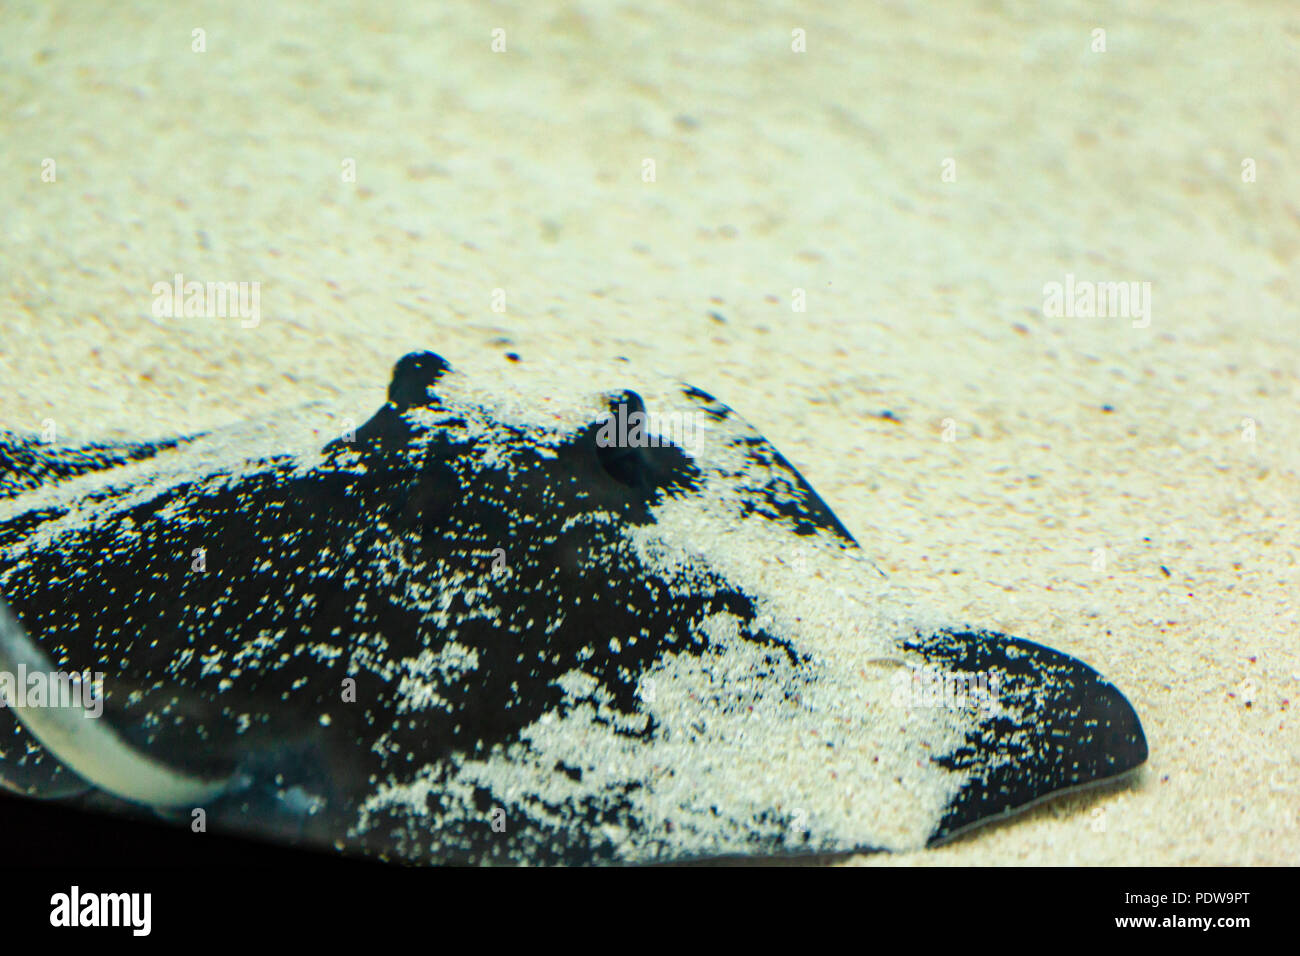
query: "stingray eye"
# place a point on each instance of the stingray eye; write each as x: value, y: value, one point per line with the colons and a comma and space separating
x: 620, y: 439
x: 634, y: 453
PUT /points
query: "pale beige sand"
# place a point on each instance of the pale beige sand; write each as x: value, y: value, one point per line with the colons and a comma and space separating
x: 775, y: 171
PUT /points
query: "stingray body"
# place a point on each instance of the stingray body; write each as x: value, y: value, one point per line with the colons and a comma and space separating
x: 507, y: 619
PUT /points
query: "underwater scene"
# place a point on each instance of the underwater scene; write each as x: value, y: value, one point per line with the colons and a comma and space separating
x: 582, y: 434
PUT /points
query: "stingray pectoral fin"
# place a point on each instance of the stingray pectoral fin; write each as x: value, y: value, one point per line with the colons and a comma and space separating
x: 88, y: 745
x: 1042, y: 723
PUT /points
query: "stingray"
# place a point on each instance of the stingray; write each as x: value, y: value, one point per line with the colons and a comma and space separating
x: 517, y: 615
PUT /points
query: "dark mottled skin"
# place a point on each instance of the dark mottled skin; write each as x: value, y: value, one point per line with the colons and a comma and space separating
x: 350, y: 553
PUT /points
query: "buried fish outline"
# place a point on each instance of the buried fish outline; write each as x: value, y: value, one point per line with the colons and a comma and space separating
x: 472, y: 629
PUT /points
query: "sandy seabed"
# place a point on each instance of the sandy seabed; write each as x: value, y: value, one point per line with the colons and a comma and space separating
x: 1125, y: 488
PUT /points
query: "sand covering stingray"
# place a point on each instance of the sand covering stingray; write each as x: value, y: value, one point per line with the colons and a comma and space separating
x: 479, y: 628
